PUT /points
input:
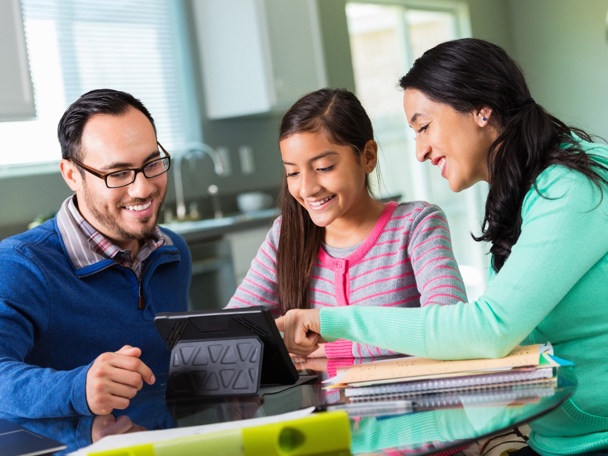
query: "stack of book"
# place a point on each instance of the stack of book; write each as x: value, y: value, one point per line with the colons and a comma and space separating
x: 527, y: 373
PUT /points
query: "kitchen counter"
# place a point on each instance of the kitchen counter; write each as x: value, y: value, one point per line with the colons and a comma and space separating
x: 206, y: 229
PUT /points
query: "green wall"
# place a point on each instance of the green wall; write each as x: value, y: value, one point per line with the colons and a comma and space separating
x: 562, y: 46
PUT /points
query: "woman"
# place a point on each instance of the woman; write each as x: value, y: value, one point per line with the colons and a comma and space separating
x: 336, y: 245
x: 546, y: 218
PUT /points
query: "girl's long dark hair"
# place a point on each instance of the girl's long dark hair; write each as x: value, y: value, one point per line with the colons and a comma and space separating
x: 338, y: 114
x: 470, y: 74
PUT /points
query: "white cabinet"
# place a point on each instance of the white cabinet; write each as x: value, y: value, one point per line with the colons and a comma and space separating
x: 257, y: 56
x: 16, y: 94
x: 244, y: 246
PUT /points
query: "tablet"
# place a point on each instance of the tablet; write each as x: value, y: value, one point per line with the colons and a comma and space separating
x: 234, y: 324
x: 16, y: 440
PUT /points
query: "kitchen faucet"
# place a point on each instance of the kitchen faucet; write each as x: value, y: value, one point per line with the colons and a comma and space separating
x: 191, y: 152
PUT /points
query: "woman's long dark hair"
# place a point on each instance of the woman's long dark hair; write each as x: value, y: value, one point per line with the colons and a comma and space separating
x: 338, y: 114
x: 469, y: 74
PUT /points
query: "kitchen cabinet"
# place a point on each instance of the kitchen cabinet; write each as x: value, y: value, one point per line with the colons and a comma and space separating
x: 244, y: 246
x: 213, y: 282
x: 222, y: 250
x: 16, y: 93
x: 257, y: 56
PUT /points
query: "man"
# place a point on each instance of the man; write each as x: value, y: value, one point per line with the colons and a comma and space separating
x: 78, y: 294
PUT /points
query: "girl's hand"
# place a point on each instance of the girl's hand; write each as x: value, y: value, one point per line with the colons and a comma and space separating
x: 301, y: 331
x: 319, y: 352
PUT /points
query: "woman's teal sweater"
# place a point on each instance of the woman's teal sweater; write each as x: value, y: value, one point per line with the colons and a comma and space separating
x: 553, y: 288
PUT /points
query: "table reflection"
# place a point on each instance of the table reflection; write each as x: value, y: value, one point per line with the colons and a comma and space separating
x: 426, y: 429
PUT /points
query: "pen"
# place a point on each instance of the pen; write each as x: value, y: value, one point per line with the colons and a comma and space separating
x: 378, y: 408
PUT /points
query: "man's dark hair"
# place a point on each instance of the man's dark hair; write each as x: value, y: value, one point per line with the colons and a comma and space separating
x: 99, y: 101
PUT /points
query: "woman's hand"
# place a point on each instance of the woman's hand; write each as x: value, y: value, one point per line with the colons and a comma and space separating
x: 301, y: 331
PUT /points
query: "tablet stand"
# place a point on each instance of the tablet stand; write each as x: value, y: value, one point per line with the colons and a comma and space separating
x: 216, y: 367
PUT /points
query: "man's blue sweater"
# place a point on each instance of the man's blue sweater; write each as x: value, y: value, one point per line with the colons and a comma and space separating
x: 56, y: 319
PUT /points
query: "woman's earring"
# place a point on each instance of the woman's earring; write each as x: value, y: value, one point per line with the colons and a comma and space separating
x: 484, y: 119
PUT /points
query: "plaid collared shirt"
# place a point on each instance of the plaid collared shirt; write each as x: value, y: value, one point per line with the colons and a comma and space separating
x: 85, y: 244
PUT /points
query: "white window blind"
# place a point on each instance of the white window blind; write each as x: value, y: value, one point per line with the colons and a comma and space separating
x: 78, y: 45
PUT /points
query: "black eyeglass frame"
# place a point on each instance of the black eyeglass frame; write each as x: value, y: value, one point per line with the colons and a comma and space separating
x: 142, y: 170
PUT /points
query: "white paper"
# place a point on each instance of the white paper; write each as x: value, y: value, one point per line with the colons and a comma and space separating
x: 113, y: 442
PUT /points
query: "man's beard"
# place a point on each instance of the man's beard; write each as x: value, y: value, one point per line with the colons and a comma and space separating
x: 110, y: 222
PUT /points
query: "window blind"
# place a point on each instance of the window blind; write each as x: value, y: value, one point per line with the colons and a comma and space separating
x: 78, y: 45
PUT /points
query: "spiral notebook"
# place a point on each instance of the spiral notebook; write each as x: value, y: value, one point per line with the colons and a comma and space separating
x: 512, y: 395
x: 521, y: 360
x: 503, y: 379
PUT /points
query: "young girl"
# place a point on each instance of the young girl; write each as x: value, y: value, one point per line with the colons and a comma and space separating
x: 334, y: 244
x: 546, y: 217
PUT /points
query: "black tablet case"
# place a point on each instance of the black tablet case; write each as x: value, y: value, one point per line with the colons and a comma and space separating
x: 229, y: 352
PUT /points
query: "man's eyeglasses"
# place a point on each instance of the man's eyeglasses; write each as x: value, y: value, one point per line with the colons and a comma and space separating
x: 127, y: 176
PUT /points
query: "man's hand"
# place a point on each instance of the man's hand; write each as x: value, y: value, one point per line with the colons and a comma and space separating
x: 115, y: 378
x: 301, y: 331
x: 109, y: 425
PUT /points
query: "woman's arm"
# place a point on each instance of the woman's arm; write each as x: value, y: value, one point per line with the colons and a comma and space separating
x: 563, y: 236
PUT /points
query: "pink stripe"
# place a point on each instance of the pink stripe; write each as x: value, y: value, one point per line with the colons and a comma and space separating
x: 359, y: 351
x: 431, y: 239
x: 322, y: 304
x: 441, y: 287
x: 395, y: 290
x: 275, y: 312
x: 318, y: 290
x: 444, y: 295
x: 445, y: 266
x: 272, y: 260
x: 403, y: 301
x: 380, y: 268
x: 258, y: 285
x: 444, y: 287
x: 392, y: 230
x: 256, y: 259
x: 318, y: 277
x: 424, y: 286
x: 393, y: 452
x: 271, y: 247
x: 409, y: 215
x: 247, y: 303
x: 441, y: 277
x: 434, y: 216
x: 396, y: 241
x: 433, y: 260
x: 433, y: 228
x: 258, y: 273
x: 386, y: 279
x: 430, y: 217
x: 258, y: 297
x: 384, y: 255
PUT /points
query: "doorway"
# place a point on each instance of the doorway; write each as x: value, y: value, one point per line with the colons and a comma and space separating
x: 385, y: 38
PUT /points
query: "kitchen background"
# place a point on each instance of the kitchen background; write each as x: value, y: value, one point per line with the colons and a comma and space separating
x: 236, y: 65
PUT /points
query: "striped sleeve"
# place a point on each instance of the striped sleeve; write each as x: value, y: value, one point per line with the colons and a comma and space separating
x: 259, y: 287
x: 430, y: 248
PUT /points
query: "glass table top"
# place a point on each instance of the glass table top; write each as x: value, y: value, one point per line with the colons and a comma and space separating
x: 434, y: 424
